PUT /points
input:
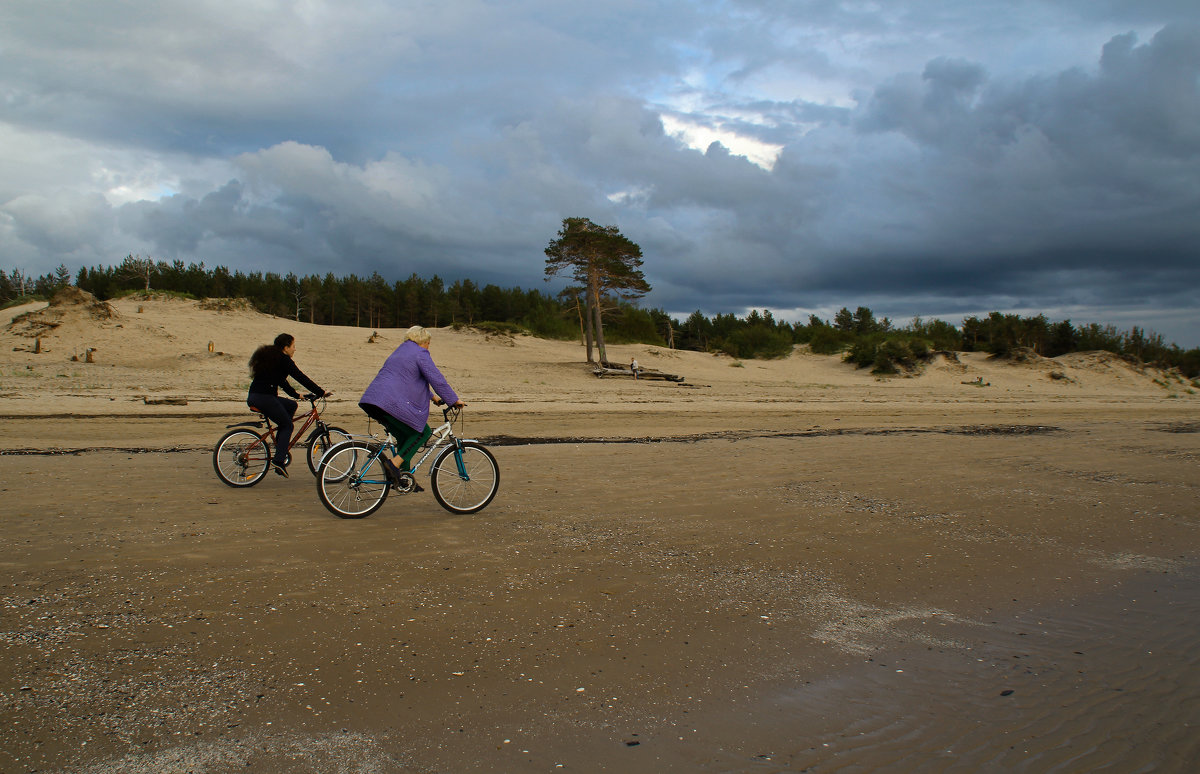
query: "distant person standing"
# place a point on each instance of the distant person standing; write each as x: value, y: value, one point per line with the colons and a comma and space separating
x: 634, y: 367
x: 270, y: 367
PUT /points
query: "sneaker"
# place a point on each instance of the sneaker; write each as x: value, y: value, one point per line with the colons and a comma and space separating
x: 393, y: 472
x: 279, y: 469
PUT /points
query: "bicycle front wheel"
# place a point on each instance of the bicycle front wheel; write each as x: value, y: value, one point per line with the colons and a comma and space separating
x: 467, y: 489
x: 241, y: 458
x: 319, y: 443
x: 351, y: 481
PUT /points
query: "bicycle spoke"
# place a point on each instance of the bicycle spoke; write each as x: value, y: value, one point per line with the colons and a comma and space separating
x: 241, y: 458
x: 470, y: 493
x: 350, y: 481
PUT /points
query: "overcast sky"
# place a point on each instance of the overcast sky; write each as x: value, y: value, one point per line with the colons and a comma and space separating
x: 921, y: 157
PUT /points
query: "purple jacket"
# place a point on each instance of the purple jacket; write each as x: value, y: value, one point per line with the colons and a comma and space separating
x: 401, y: 388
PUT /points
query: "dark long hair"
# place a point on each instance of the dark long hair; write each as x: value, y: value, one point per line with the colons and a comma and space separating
x: 269, y: 358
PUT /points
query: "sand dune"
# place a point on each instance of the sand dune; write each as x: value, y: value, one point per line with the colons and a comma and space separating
x: 161, y: 347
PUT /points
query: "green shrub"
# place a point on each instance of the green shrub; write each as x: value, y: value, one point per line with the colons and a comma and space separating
x: 26, y: 299
x: 891, y: 354
x: 884, y: 366
x: 828, y: 341
x: 150, y: 295
x: 758, y: 341
x: 886, y: 354
x: 548, y: 324
x: 863, y: 351
x: 500, y: 328
x: 920, y: 348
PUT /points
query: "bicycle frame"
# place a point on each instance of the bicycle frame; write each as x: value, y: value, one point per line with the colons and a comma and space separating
x: 355, y: 476
x: 440, y: 437
x: 311, y: 417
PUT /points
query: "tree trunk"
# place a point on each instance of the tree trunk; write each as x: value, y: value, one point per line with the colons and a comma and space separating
x: 587, y: 313
x: 600, y: 331
x: 582, y: 328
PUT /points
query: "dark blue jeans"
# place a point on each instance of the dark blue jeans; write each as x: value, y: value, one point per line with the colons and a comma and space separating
x: 280, y: 411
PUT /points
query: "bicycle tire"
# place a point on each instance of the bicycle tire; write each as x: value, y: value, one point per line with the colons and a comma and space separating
x: 241, y: 458
x: 351, y: 480
x: 320, y: 443
x: 469, y: 495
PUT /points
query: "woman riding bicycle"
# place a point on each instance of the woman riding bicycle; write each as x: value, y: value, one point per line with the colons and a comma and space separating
x: 270, y: 367
x: 399, y: 396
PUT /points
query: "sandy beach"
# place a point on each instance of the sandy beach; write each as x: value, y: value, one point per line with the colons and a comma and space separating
x: 773, y: 566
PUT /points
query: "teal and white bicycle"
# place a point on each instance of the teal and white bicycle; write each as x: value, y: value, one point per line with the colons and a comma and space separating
x: 352, y: 480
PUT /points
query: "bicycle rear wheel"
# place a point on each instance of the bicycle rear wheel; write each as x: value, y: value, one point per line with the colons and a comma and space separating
x: 241, y: 458
x: 467, y: 493
x: 351, y: 481
x: 319, y: 443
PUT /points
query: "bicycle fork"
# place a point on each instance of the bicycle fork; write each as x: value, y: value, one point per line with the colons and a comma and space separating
x: 458, y: 461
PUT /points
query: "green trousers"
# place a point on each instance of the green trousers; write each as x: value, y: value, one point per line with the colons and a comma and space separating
x: 407, y: 440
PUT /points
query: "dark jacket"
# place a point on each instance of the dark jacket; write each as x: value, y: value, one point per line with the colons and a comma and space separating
x: 272, y: 374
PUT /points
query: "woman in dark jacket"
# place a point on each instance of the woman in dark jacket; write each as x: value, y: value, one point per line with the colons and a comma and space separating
x: 270, y: 367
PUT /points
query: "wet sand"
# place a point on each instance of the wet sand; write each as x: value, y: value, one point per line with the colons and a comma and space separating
x: 1108, y: 681
x: 830, y: 588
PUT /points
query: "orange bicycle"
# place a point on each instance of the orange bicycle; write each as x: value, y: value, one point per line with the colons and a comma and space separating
x: 243, y: 456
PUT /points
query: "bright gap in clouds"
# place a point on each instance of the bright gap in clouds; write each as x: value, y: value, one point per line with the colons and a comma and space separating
x: 125, y: 194
x: 699, y: 137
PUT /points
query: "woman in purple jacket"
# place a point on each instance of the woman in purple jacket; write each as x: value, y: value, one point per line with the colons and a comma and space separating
x: 399, y: 396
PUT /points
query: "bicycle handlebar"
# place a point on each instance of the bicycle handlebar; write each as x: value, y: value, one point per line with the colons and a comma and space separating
x: 312, y: 398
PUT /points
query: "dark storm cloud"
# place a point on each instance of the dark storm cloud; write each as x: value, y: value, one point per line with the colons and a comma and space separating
x: 997, y: 187
x: 1097, y: 170
x: 922, y: 157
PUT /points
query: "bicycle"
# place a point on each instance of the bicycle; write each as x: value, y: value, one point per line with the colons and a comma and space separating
x: 353, y: 482
x: 243, y: 456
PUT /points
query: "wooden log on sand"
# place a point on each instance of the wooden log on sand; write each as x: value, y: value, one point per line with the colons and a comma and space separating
x: 643, y: 373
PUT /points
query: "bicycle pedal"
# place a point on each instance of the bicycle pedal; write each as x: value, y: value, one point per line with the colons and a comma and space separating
x: 405, y: 484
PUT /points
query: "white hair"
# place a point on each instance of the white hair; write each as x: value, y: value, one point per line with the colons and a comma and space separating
x: 417, y: 334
